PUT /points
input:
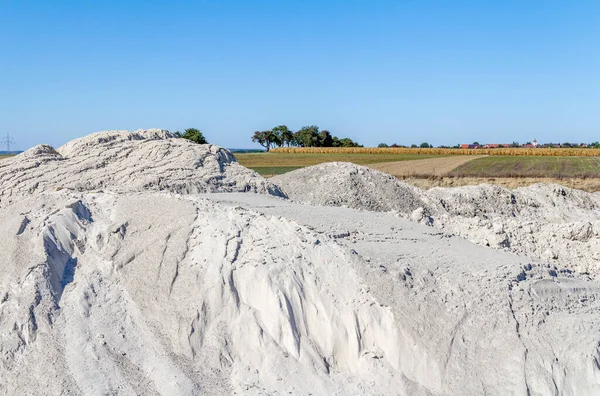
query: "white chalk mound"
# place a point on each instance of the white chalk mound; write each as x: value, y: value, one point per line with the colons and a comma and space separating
x: 545, y: 221
x: 347, y: 184
x: 117, y: 277
x: 125, y: 161
x: 145, y: 293
x: 548, y: 221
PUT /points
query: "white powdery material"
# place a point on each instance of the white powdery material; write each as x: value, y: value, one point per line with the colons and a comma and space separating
x: 111, y: 283
x: 148, y: 293
x: 545, y: 221
x: 122, y: 161
x: 350, y: 185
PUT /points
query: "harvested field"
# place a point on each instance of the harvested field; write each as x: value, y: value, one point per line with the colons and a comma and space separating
x: 275, y: 163
x: 589, y: 184
x: 553, y: 167
x: 431, y: 166
x: 582, y: 173
x: 455, y: 170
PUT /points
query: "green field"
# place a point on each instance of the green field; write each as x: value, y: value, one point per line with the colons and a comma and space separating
x: 269, y: 164
x: 554, y: 167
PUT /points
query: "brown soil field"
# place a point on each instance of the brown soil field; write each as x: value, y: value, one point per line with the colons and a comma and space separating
x: 585, y: 184
x: 271, y: 164
x: 430, y: 166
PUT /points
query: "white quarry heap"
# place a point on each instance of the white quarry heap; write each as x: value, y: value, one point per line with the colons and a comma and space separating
x: 546, y: 221
x: 125, y: 280
x: 122, y: 161
x: 350, y: 185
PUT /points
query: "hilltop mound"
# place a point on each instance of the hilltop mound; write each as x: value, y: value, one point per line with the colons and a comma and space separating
x: 350, y: 185
x: 122, y: 161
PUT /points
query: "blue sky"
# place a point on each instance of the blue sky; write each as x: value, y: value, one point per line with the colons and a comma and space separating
x: 376, y: 71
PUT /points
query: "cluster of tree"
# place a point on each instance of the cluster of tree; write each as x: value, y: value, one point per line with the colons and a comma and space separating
x: 422, y: 145
x: 311, y: 136
x: 308, y: 136
x: 192, y: 134
x: 513, y: 144
x: 575, y: 145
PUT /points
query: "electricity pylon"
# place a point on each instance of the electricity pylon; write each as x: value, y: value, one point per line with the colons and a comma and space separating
x: 7, y: 140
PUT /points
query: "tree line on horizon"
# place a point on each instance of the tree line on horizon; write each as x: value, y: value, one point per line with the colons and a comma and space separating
x: 311, y: 136
x: 513, y: 145
x: 422, y: 145
x: 307, y: 136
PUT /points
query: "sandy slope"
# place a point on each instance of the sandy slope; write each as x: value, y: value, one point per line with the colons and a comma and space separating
x: 122, y: 161
x: 117, y: 285
x: 547, y: 221
x: 245, y: 294
x: 430, y: 166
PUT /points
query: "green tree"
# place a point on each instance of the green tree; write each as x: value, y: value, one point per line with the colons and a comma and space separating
x: 266, y: 139
x: 476, y: 144
x: 382, y: 145
x: 413, y: 146
x: 347, y: 142
x: 307, y: 136
x: 284, y: 135
x: 425, y: 145
x: 325, y: 139
x: 192, y: 134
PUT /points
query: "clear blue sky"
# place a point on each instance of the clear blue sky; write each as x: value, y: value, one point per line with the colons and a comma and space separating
x: 376, y: 71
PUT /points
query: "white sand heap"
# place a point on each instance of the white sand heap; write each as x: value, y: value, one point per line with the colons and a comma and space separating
x: 112, y: 284
x: 350, y: 185
x: 546, y: 221
x: 128, y: 161
x: 149, y: 293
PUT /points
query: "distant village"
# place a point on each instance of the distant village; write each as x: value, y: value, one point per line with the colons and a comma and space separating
x: 533, y: 144
x: 477, y: 145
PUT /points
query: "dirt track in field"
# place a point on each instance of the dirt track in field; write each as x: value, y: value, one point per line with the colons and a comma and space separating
x: 429, y: 166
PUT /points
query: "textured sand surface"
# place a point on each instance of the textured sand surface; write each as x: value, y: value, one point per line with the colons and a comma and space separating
x: 546, y: 221
x: 245, y: 294
x: 135, y: 289
x: 127, y: 161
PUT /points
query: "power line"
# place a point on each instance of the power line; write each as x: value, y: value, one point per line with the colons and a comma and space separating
x: 8, y: 140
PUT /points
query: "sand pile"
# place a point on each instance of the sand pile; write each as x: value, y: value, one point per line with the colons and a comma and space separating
x: 150, y: 293
x: 127, y: 161
x: 350, y: 185
x: 546, y: 221
x: 116, y: 285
